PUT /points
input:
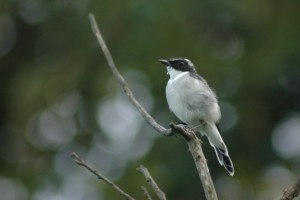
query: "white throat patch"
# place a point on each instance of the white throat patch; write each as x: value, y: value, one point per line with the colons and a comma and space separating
x: 175, y: 74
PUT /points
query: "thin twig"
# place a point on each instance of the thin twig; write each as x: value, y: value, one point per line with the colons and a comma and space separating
x: 193, y: 142
x: 291, y: 192
x: 159, y: 193
x: 146, y: 193
x: 123, y: 82
x: 82, y: 163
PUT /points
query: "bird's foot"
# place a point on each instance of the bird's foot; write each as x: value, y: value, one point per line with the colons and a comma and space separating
x: 202, y: 124
x: 177, y: 125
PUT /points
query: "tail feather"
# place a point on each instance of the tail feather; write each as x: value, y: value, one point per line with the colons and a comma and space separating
x: 225, y: 160
x: 212, y: 131
x: 219, y: 155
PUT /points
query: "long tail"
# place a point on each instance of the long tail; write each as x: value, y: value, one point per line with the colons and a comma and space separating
x: 224, y: 160
x: 212, y: 132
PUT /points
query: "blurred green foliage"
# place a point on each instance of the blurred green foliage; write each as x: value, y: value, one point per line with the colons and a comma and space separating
x: 57, y: 95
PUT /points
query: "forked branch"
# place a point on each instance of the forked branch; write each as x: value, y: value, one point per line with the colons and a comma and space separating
x: 159, y: 193
x: 82, y: 163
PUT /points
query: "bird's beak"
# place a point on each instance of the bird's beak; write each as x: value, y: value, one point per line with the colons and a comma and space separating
x: 165, y: 62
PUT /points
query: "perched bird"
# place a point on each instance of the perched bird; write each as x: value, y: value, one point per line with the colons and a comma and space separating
x: 192, y: 101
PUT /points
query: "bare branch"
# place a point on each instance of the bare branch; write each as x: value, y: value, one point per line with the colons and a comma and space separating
x: 193, y: 142
x: 291, y: 192
x: 123, y: 82
x: 146, y: 193
x: 82, y: 163
x: 159, y: 193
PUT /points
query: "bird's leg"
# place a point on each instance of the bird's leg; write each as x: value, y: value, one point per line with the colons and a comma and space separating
x: 202, y: 123
x: 181, y: 124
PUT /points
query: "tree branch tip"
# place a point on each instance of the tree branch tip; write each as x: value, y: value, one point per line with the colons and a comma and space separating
x: 91, y: 15
x: 74, y: 155
x: 141, y: 168
x: 76, y: 158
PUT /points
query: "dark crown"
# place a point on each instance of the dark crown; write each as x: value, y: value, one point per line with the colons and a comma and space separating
x: 182, y: 64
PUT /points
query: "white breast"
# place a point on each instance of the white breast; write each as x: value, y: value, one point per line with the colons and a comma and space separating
x: 190, y: 99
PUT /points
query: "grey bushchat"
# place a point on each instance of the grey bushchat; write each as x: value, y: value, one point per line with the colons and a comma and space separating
x: 193, y: 102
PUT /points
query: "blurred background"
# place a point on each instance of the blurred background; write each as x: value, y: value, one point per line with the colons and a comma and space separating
x: 57, y: 95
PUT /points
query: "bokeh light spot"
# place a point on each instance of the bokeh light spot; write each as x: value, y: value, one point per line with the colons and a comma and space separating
x: 286, y: 137
x: 118, y: 119
x: 12, y: 190
x: 33, y: 11
x: 229, y: 116
x: 48, y: 131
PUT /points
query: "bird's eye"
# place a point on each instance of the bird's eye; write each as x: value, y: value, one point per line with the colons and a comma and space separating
x: 181, y: 63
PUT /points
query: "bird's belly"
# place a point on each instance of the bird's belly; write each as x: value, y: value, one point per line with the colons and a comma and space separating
x: 191, y: 106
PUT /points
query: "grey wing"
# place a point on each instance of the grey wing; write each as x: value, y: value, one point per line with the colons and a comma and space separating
x: 201, y: 93
x: 204, y: 101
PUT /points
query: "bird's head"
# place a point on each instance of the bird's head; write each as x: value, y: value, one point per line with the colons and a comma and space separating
x: 179, y: 64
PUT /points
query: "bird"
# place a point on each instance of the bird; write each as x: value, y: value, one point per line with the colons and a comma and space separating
x: 194, y: 103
